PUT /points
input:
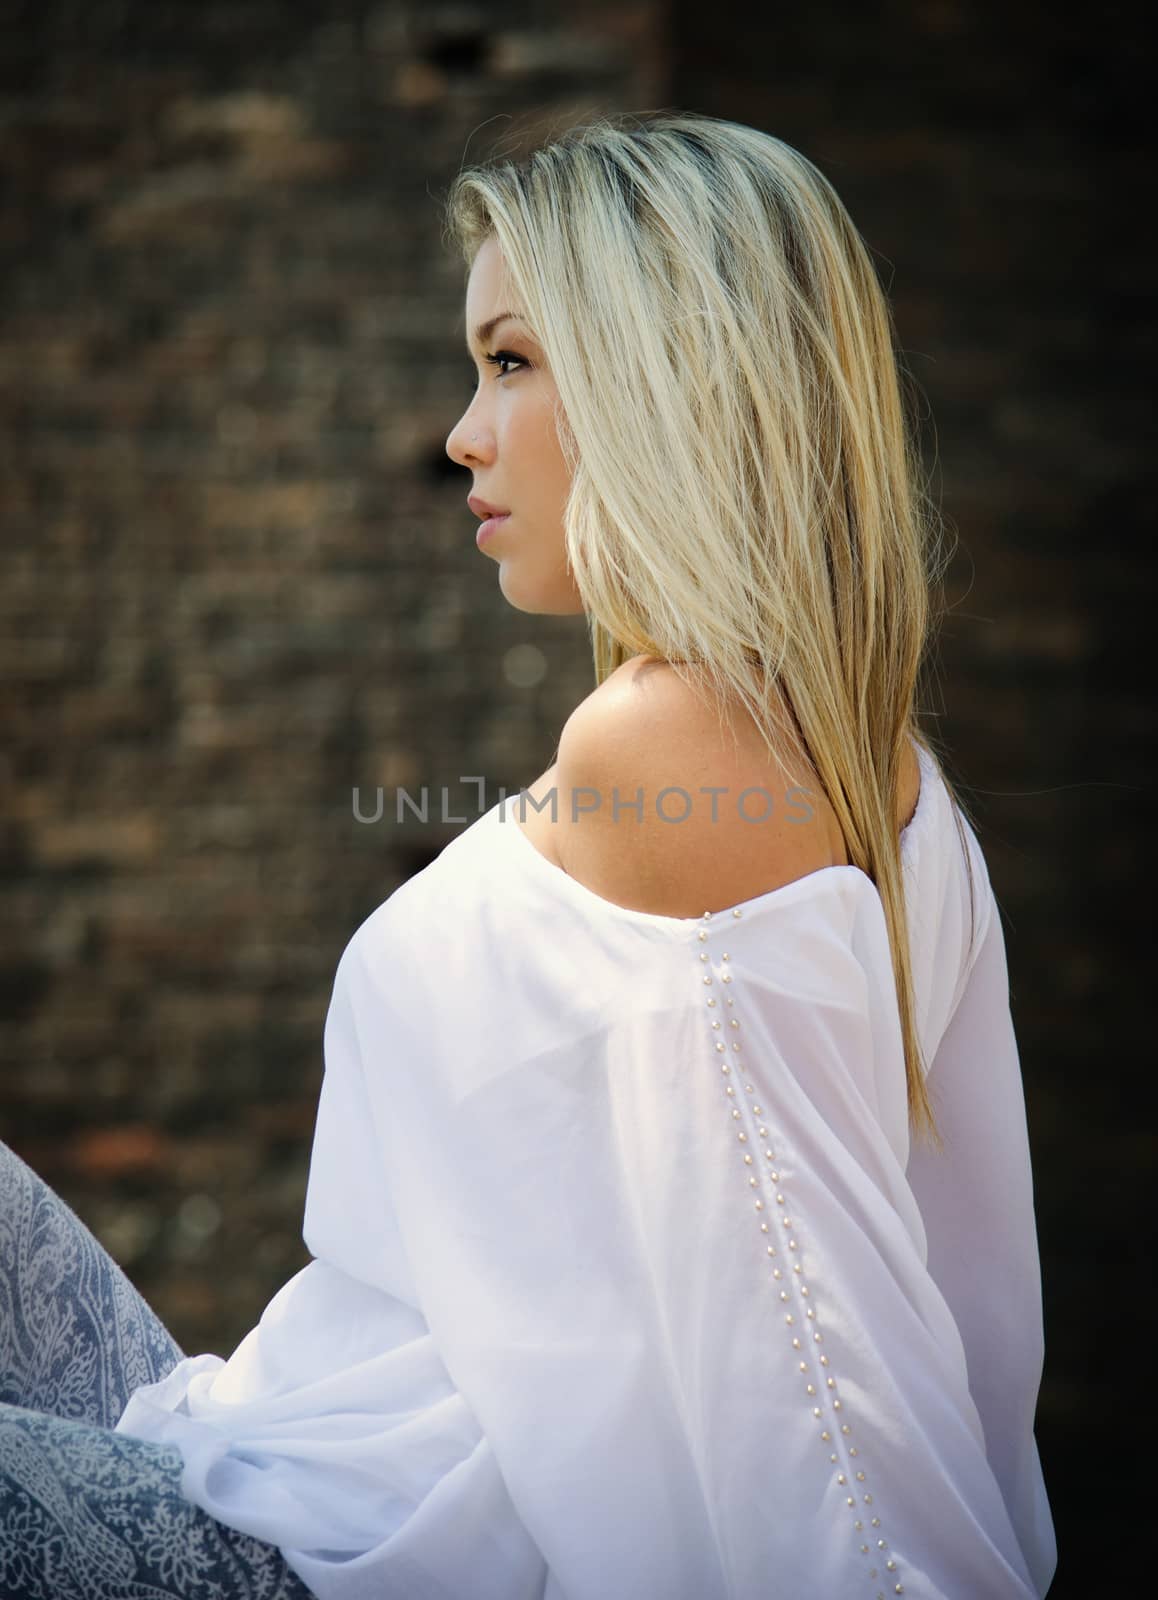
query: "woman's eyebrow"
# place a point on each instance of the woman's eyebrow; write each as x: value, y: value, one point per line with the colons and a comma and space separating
x: 484, y: 330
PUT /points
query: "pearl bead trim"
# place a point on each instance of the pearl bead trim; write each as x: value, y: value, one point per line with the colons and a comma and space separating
x: 763, y: 1177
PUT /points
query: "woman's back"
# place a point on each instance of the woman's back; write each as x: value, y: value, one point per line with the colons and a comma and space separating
x: 719, y: 821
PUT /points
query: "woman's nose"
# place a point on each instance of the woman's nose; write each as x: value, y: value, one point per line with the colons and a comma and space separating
x: 461, y: 445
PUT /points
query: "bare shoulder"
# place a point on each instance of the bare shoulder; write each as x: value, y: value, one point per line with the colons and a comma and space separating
x: 660, y: 809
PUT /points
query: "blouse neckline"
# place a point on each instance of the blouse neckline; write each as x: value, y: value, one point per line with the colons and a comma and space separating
x: 822, y: 878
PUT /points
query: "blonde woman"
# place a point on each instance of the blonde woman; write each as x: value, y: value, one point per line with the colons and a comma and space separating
x: 670, y: 1198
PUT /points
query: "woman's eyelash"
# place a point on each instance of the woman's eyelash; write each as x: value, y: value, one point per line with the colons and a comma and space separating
x: 499, y: 357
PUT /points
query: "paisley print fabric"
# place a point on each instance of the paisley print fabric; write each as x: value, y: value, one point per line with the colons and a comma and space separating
x: 87, y: 1513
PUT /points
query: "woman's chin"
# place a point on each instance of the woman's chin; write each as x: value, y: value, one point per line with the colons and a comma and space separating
x: 514, y: 592
x: 538, y: 599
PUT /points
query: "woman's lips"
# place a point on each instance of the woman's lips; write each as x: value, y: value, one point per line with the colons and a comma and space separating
x: 488, y: 527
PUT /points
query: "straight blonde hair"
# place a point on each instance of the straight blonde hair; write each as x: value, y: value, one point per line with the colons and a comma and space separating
x: 747, y: 500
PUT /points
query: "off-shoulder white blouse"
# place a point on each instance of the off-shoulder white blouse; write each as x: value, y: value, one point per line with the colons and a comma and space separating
x: 627, y: 1283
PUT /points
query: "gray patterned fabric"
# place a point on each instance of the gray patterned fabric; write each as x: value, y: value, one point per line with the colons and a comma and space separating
x: 86, y: 1513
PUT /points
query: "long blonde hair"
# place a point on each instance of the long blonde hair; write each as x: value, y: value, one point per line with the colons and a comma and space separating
x: 747, y: 499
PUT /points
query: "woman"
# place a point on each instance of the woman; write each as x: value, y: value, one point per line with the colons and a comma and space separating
x: 670, y: 1196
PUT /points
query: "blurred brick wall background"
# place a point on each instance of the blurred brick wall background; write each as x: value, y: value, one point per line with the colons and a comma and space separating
x: 239, y: 576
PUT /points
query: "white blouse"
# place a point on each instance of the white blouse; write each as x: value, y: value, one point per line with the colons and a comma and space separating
x: 627, y: 1284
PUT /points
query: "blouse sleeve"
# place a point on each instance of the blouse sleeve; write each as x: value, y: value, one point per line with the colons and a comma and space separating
x: 334, y: 1430
x: 976, y: 1201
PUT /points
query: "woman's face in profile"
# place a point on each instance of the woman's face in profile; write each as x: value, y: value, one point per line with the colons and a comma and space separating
x: 507, y: 438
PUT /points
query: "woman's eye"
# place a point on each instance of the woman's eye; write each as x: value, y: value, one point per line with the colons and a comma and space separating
x: 501, y: 358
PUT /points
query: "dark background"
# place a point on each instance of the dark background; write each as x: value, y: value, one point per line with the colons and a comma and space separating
x: 239, y: 575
